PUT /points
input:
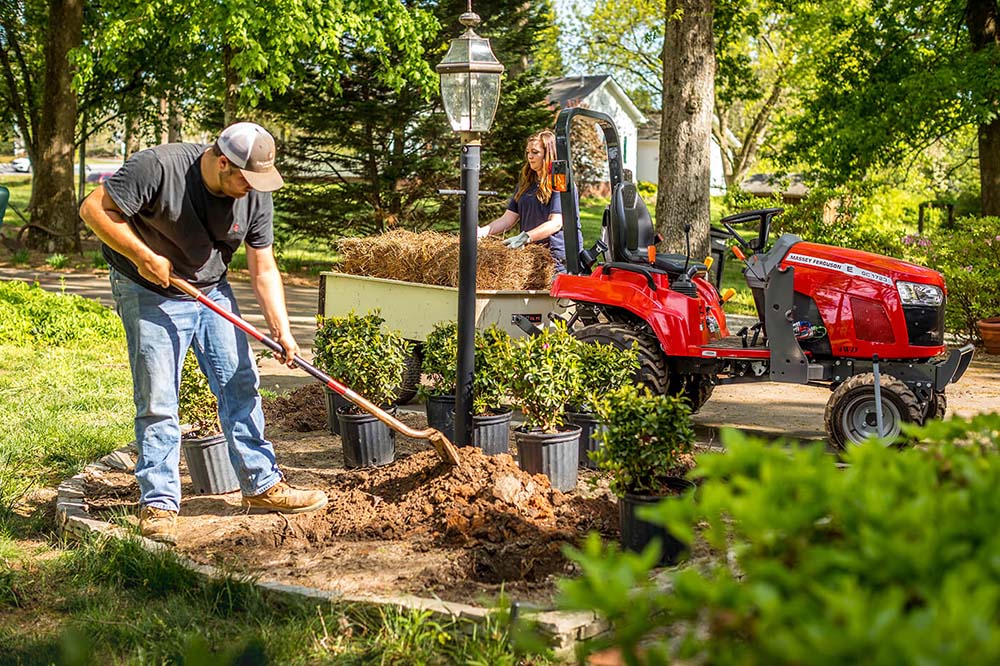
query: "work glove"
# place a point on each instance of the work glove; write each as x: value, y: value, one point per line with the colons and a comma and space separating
x: 517, y: 241
x: 482, y: 232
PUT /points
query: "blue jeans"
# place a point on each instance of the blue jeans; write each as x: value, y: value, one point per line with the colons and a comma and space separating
x: 159, y: 331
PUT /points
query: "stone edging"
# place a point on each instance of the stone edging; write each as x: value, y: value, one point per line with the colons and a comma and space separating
x: 563, y: 628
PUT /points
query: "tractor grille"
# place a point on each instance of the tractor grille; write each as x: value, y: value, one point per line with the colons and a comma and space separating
x: 924, y: 325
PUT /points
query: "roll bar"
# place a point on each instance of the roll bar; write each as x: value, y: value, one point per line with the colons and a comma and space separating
x: 569, y: 199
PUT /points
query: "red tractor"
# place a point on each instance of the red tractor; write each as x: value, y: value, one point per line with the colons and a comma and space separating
x: 861, y: 324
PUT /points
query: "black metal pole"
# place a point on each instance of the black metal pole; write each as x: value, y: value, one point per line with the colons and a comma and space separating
x: 467, y: 291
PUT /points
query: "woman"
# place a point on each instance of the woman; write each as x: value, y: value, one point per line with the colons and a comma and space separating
x: 534, y: 205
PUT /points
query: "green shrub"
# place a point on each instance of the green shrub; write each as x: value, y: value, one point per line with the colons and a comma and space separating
x: 440, y: 358
x: 969, y: 258
x: 852, y: 222
x: 197, y: 406
x: 21, y: 257
x: 97, y: 260
x: 890, y: 560
x: 29, y: 315
x: 647, y: 191
x: 491, y: 380
x: 57, y: 260
x: 544, y: 373
x: 356, y: 351
x: 603, y: 369
x: 644, y: 438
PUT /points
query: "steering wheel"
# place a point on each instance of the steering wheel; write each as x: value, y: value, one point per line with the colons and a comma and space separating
x: 739, y: 239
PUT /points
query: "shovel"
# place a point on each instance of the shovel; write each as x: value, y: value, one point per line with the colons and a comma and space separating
x: 445, y: 449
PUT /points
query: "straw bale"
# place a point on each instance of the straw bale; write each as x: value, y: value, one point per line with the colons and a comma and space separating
x: 432, y: 258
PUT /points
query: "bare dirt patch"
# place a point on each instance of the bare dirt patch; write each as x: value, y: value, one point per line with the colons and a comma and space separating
x: 462, y: 534
x: 416, y: 526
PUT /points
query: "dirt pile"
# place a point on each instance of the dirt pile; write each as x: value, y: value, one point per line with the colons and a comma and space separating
x: 301, y: 410
x: 509, y: 525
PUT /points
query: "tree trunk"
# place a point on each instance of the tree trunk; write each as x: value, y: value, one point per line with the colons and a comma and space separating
x: 175, y: 123
x: 54, y: 206
x: 686, y: 127
x: 982, y: 18
x: 232, y: 91
x: 133, y: 134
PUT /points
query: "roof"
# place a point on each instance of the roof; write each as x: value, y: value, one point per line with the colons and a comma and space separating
x: 565, y: 90
x: 766, y: 184
x: 571, y: 90
x: 650, y: 130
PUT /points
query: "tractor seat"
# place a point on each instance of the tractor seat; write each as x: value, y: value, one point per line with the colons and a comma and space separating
x: 630, y: 232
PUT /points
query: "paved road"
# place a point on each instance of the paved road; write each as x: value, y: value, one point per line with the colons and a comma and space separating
x: 302, y: 308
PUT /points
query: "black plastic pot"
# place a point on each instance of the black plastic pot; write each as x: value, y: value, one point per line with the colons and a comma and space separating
x: 636, y: 533
x: 554, y: 454
x: 491, y: 433
x: 208, y: 464
x: 334, y: 401
x: 366, y: 441
x: 590, y: 435
x: 441, y: 414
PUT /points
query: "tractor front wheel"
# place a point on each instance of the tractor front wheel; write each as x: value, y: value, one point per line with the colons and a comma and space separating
x: 652, y: 364
x: 696, y: 388
x: 850, y: 413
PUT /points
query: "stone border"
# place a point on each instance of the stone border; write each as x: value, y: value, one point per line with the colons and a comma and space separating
x: 564, y: 629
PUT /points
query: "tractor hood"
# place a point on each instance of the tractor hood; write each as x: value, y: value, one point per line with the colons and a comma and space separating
x: 865, y: 265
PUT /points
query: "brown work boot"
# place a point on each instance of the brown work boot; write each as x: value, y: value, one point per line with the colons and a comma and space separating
x: 158, y: 524
x: 285, y: 499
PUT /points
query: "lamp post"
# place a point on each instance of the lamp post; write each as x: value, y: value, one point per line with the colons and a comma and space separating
x: 470, y: 91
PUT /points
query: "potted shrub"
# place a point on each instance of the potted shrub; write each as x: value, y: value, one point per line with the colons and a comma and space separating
x: 645, y: 439
x: 356, y: 350
x: 205, y: 448
x: 490, y: 411
x: 439, y: 367
x: 603, y: 369
x: 544, y: 371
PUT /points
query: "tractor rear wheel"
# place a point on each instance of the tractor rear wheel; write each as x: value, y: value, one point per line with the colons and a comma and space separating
x: 850, y: 412
x: 652, y: 364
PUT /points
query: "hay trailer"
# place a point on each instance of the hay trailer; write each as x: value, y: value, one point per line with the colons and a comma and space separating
x: 414, y: 309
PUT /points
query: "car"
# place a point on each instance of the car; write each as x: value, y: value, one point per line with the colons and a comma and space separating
x: 21, y: 164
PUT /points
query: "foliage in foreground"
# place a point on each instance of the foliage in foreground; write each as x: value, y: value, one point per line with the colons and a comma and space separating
x: 889, y: 561
x: 119, y: 603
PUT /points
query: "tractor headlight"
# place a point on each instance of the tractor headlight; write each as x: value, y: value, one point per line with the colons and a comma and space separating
x: 912, y: 293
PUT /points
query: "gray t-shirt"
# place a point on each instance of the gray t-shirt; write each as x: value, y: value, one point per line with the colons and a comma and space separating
x: 166, y: 203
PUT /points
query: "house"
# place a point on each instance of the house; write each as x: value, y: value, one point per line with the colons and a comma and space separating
x: 648, y: 163
x: 601, y: 93
x: 791, y: 188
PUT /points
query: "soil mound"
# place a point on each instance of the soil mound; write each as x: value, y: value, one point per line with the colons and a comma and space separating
x: 301, y: 410
x: 509, y: 525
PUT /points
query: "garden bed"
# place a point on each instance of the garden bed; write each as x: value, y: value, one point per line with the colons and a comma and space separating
x: 413, y: 527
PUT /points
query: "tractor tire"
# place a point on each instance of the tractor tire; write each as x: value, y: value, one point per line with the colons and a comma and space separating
x: 407, y: 390
x: 696, y: 388
x: 850, y: 413
x: 652, y: 364
x: 937, y: 407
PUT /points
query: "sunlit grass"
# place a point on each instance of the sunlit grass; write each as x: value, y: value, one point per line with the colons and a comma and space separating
x: 64, y: 407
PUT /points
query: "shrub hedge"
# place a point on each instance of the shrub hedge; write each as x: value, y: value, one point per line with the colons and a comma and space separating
x: 29, y: 315
x: 889, y: 560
